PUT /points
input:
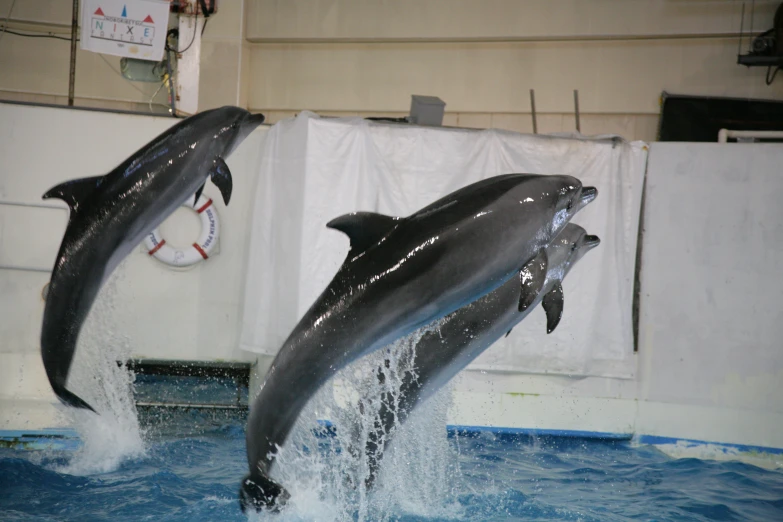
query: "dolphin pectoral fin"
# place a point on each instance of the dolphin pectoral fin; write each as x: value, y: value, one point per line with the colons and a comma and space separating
x: 508, y: 333
x: 198, y: 194
x: 532, y: 277
x: 221, y: 177
x: 553, y: 306
x: 364, y: 229
x: 74, y: 191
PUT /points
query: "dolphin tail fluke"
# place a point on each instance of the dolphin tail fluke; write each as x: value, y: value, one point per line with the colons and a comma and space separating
x: 260, y: 492
x: 71, y: 399
x: 221, y: 177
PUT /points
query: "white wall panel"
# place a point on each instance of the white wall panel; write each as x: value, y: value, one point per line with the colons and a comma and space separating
x: 711, y: 314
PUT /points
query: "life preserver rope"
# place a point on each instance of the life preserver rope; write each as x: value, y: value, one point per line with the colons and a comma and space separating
x: 198, y: 251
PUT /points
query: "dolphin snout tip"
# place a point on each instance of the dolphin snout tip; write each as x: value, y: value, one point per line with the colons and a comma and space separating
x: 255, y: 119
x: 588, y: 194
x: 592, y: 241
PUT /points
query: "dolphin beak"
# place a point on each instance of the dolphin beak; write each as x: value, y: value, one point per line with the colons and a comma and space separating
x: 246, y: 126
x: 591, y: 242
x: 588, y: 195
x: 249, y: 124
x: 254, y: 120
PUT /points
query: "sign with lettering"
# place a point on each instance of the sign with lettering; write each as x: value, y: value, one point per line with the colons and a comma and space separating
x: 132, y: 28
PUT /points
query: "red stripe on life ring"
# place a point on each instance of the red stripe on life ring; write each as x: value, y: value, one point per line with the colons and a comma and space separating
x: 157, y: 247
x: 206, y: 206
x: 201, y: 250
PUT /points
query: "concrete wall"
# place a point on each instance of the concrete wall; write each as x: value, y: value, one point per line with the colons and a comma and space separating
x: 162, y: 313
x: 482, y: 58
x: 36, y: 69
x: 366, y: 57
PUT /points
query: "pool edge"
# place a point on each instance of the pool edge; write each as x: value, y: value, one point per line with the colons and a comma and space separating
x: 68, y: 438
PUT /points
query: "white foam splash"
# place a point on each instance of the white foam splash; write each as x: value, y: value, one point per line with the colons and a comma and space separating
x: 113, y: 436
x: 417, y: 474
x: 719, y: 452
x: 220, y: 500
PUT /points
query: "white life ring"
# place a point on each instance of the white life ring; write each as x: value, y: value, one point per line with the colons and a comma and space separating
x: 200, y: 250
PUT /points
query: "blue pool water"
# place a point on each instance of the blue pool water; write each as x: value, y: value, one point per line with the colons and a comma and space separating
x: 194, y: 477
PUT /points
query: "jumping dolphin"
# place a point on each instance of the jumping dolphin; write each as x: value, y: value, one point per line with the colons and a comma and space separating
x: 111, y: 214
x: 463, y: 335
x: 399, y: 274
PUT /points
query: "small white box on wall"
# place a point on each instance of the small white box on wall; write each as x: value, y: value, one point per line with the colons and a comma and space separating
x: 135, y: 29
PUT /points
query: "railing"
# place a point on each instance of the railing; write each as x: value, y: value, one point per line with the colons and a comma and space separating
x: 725, y: 134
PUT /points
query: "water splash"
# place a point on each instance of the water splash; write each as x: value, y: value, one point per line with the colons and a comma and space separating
x: 113, y: 436
x: 325, y: 467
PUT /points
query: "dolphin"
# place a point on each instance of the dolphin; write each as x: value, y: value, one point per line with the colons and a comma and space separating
x: 110, y: 215
x: 400, y: 274
x: 461, y: 336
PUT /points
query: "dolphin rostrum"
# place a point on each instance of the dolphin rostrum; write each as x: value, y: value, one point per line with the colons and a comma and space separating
x: 400, y: 274
x: 111, y: 214
x: 461, y: 336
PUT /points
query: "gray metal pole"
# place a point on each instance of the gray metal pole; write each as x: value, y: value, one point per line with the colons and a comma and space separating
x: 533, y: 110
x: 576, y: 110
x: 74, y: 31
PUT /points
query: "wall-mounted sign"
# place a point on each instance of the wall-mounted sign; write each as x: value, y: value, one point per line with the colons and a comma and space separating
x: 132, y: 28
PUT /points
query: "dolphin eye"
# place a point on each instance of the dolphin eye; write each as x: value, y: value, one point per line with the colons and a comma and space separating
x: 570, y: 205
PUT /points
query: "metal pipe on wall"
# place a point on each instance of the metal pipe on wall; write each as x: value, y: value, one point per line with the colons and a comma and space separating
x: 172, y: 91
x: 533, y: 110
x: 74, y: 31
x: 33, y: 205
x: 495, y: 39
x: 576, y: 111
x: 25, y: 268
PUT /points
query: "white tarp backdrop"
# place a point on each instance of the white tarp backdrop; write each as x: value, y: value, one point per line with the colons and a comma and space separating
x: 314, y: 169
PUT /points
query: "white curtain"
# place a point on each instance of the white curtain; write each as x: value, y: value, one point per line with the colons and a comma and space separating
x: 315, y: 169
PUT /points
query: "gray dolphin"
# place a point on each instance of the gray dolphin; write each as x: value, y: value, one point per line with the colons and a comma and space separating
x: 399, y: 274
x: 463, y: 335
x: 111, y: 214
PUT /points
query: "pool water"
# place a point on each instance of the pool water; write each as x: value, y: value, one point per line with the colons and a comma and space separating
x: 136, y: 462
x: 194, y: 474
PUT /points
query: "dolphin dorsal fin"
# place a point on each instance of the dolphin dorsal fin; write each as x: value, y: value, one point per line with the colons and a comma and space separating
x: 531, y: 278
x: 364, y: 229
x: 74, y: 191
